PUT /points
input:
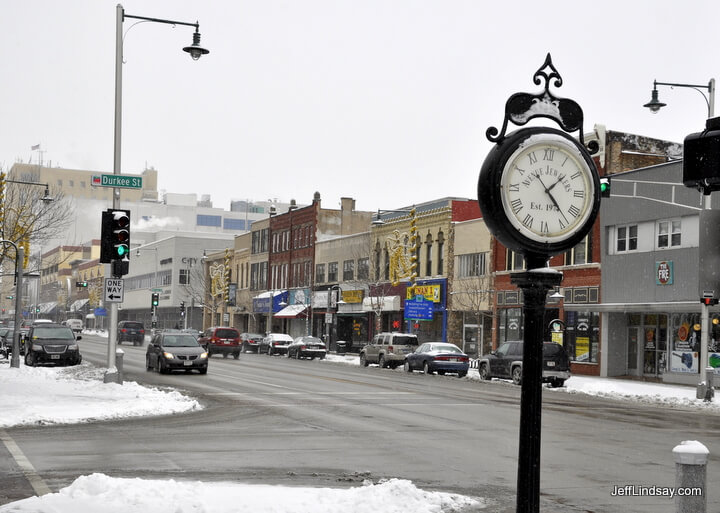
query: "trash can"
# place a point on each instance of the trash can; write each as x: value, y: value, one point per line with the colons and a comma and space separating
x: 341, y: 346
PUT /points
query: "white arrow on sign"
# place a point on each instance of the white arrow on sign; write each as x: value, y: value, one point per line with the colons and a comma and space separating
x: 114, y: 290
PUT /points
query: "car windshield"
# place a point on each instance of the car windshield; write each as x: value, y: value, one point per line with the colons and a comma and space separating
x: 445, y: 348
x: 132, y: 325
x: 58, y: 333
x: 405, y: 341
x: 253, y: 336
x: 225, y: 333
x: 180, y: 340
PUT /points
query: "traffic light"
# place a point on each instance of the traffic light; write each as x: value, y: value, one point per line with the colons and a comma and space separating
x: 709, y: 301
x: 81, y: 284
x: 155, y: 300
x: 605, y: 187
x: 115, y: 237
x: 182, y: 308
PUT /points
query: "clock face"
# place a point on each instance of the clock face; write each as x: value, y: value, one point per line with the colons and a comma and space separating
x: 547, y: 189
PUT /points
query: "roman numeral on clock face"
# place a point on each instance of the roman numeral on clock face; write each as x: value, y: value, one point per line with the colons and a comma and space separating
x: 516, y: 205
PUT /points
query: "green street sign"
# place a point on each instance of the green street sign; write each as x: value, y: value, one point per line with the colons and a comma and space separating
x: 129, y: 182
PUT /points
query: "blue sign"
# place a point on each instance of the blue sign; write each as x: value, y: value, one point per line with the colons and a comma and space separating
x: 419, y: 309
x: 100, y: 312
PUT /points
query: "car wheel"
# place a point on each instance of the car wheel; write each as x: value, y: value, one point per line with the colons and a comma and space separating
x: 203, y: 370
x: 462, y: 374
x: 297, y: 356
x: 160, y: 367
x: 442, y: 373
x: 555, y: 383
x: 517, y: 375
x: 363, y: 360
x: 270, y: 351
x: 426, y: 368
x: 381, y: 361
x: 30, y: 360
x: 225, y: 355
x: 236, y: 355
x: 407, y: 367
x: 484, y: 372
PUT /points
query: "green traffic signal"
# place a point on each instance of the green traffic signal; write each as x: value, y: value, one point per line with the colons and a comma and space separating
x: 605, y: 187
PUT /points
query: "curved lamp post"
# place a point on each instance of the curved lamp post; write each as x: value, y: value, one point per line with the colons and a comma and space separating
x: 19, y: 255
x: 655, y: 104
x: 196, y: 51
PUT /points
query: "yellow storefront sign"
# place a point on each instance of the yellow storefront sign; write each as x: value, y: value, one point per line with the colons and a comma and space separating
x: 429, y: 292
x: 352, y: 296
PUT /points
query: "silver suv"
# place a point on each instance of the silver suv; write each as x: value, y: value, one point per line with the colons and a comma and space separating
x: 388, y: 349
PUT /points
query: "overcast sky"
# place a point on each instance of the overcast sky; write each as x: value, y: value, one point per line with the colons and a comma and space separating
x: 385, y: 101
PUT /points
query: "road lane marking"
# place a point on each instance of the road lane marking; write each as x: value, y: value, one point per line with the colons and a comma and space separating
x: 38, y: 484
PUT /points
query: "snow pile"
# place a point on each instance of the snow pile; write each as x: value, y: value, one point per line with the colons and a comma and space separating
x: 62, y: 395
x: 98, y: 492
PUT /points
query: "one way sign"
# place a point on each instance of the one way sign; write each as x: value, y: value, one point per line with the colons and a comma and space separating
x: 114, y: 290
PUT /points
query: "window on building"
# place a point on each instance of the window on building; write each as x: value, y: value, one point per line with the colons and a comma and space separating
x: 627, y: 238
x: 206, y: 220
x: 386, y: 260
x: 473, y: 264
x: 184, y: 276
x: 581, y: 253
x: 348, y: 270
x: 363, y: 271
x: 320, y: 273
x: 429, y: 255
x: 233, y: 224
x: 669, y: 233
x: 332, y: 272
x: 441, y: 258
x: 514, y: 261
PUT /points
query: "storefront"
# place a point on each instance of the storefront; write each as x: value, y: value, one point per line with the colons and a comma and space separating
x: 262, y: 305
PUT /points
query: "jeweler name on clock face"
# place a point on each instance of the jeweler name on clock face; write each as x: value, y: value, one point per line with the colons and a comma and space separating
x: 547, y: 189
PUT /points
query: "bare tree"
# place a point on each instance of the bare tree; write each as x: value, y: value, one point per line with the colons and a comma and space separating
x: 474, y: 295
x: 27, y: 220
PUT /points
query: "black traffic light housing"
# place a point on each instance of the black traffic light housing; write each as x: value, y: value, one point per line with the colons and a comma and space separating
x: 709, y: 301
x: 182, y: 308
x: 701, y: 158
x: 82, y: 284
x: 155, y: 300
x: 115, y: 239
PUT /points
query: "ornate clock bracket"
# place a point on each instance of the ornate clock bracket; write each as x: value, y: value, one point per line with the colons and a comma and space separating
x: 520, y: 108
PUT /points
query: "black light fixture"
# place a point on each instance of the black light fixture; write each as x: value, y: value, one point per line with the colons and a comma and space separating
x: 654, y: 104
x: 195, y: 50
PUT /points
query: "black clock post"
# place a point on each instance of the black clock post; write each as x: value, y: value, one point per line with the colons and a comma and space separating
x: 539, y: 193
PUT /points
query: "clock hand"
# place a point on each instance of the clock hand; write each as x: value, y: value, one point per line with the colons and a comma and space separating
x: 552, y: 198
x: 558, y: 181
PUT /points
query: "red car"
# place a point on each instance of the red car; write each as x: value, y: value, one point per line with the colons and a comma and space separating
x: 221, y: 340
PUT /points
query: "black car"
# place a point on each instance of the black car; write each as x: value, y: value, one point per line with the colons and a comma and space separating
x: 506, y: 362
x: 131, y: 331
x: 307, y: 347
x: 52, y: 343
x: 251, y: 341
x: 175, y: 350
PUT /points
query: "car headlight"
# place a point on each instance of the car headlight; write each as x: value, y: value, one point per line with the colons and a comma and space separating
x: 72, y: 347
x: 167, y: 355
x: 203, y: 355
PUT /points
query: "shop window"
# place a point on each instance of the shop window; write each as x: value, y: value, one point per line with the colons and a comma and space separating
x: 332, y: 272
x: 669, y: 234
x: 626, y: 238
x: 320, y: 273
x: 581, y: 253
x: 473, y: 264
x: 363, y: 271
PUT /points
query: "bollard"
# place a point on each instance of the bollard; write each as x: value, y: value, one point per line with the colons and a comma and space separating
x: 709, y: 390
x: 690, y: 473
x: 119, y: 354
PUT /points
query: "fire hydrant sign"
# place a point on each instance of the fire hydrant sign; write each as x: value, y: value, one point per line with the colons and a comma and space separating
x: 114, y: 290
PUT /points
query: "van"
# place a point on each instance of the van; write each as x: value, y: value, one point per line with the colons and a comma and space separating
x: 74, y: 324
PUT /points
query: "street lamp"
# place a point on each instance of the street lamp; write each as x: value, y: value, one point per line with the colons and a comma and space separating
x: 705, y: 387
x: 46, y: 197
x: 655, y: 104
x: 338, y: 302
x: 195, y: 51
x: 15, y: 359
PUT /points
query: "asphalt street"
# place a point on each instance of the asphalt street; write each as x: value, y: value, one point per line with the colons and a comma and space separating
x: 270, y: 419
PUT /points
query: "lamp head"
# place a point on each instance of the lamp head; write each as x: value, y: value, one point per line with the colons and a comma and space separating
x: 46, y: 197
x: 195, y: 50
x: 654, y: 104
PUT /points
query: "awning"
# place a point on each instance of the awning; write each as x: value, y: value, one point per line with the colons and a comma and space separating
x: 46, y: 308
x: 382, y: 303
x: 292, y: 311
x: 77, y: 305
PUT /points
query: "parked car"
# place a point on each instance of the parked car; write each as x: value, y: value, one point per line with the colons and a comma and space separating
x: 275, y: 343
x: 131, y: 331
x: 506, y: 362
x: 438, y: 357
x: 74, y: 324
x: 174, y: 350
x: 52, y: 343
x: 388, y: 349
x: 307, y: 347
x: 221, y: 340
x: 250, y: 342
